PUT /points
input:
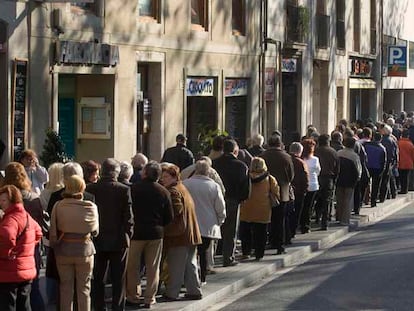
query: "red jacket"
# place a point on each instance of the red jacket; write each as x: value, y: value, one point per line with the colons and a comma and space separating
x: 21, y: 267
x: 406, y: 154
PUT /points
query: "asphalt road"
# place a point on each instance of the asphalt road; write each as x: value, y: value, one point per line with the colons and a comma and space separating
x: 373, y: 270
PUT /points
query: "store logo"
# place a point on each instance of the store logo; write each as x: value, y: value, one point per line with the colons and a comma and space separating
x: 200, y: 87
x: 397, y: 61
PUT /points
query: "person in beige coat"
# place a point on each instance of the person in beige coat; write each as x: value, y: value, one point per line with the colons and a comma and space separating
x: 256, y: 211
x: 73, y: 224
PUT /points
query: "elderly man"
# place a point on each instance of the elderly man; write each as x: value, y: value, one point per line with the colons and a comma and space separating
x: 115, y: 230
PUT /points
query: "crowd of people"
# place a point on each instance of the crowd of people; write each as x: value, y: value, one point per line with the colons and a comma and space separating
x: 168, y: 221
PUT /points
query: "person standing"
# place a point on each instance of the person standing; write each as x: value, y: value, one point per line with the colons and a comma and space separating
x: 73, y: 224
x: 19, y: 234
x: 349, y: 174
x: 280, y: 166
x: 257, y: 145
x: 234, y: 174
x: 152, y: 210
x: 37, y: 174
x: 406, y: 163
x: 210, y: 210
x: 329, y: 162
x: 179, y: 155
x: 388, y: 187
x: 113, y: 200
x: 181, y: 238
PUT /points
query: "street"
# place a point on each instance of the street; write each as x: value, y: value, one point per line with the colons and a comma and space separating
x: 373, y: 270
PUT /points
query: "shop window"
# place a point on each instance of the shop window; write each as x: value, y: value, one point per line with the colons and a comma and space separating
x: 238, y: 17
x: 199, y: 15
x: 340, y: 24
x: 148, y: 11
x: 94, y: 117
x: 84, y: 7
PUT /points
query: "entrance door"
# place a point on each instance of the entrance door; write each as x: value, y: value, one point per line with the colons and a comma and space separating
x: 236, y: 118
x: 66, y: 119
x: 201, y: 117
x: 289, y: 106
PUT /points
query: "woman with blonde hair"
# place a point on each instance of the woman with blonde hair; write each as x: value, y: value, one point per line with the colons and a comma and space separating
x: 54, y: 184
x: 256, y: 211
x: 73, y: 224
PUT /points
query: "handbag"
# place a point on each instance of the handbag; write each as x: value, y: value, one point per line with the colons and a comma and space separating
x: 273, y: 199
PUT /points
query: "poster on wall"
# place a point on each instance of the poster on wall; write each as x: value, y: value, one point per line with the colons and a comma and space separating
x: 235, y: 87
x: 270, y: 84
x: 19, y: 107
x: 397, y: 61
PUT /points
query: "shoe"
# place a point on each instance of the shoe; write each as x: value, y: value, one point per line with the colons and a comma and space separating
x: 193, y: 296
x: 258, y: 258
x: 304, y: 231
x: 244, y: 257
x: 211, y: 271
x: 203, y: 283
x: 165, y: 298
x: 323, y: 229
x: 281, y: 251
x: 132, y: 303
x: 402, y: 192
x: 230, y: 263
x: 147, y: 305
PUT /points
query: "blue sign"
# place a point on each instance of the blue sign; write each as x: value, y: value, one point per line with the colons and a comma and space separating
x: 397, y: 61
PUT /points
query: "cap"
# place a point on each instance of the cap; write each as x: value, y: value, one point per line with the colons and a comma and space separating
x: 180, y: 137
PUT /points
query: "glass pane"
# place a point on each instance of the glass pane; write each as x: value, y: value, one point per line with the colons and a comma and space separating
x: 146, y: 8
x: 196, y: 12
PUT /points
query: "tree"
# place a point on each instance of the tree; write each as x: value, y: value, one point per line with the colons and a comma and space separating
x: 53, y: 149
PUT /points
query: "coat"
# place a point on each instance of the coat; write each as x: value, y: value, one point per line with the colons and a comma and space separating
x: 116, y: 221
x: 21, y: 266
x: 406, y: 148
x: 280, y: 166
x: 300, y: 182
x: 209, y: 205
x: 179, y: 155
x: 183, y: 230
x: 72, y: 224
x: 258, y: 207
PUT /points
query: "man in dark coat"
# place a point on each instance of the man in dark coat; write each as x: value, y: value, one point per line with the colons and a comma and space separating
x: 179, y: 155
x: 388, y: 186
x: 280, y: 166
x: 113, y: 200
x: 329, y: 162
x: 152, y: 210
x: 234, y: 174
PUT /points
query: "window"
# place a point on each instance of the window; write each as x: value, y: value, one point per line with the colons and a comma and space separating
x: 83, y: 6
x: 373, y: 26
x: 320, y: 7
x: 148, y: 10
x: 238, y: 15
x: 322, y: 25
x: 340, y: 24
x: 357, y: 25
x: 411, y: 55
x: 199, y: 15
x: 386, y: 41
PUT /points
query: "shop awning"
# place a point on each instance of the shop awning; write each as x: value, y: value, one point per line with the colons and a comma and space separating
x: 358, y: 83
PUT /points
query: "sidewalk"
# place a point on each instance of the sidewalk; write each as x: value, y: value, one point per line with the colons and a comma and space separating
x: 231, y: 280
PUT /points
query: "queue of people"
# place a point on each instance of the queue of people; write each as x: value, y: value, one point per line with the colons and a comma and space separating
x: 118, y: 222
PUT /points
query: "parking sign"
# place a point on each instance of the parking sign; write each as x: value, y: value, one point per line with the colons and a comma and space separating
x: 397, y: 61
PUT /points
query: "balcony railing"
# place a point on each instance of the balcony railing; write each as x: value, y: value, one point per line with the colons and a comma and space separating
x: 297, y: 24
x: 322, y: 31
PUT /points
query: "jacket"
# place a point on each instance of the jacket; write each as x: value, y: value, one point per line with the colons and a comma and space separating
x: 38, y: 177
x: 329, y: 161
x: 209, y: 205
x: 256, y: 150
x: 300, y: 181
x: 391, y: 147
x: 280, y: 166
x: 350, y: 168
x: 17, y: 261
x: 258, y: 207
x: 183, y: 230
x: 116, y: 221
x: 72, y: 224
x: 179, y: 155
x: 57, y: 196
x: 152, y: 209
x: 376, y: 156
x: 314, y: 169
x: 406, y: 153
x: 234, y: 174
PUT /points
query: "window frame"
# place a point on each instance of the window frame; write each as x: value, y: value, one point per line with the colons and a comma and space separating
x: 340, y: 20
x: 204, y: 15
x: 240, y: 29
x: 155, y: 17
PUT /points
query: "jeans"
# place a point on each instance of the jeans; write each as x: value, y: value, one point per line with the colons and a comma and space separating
x: 15, y: 296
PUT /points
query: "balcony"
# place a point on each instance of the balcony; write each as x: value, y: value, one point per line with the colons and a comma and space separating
x: 322, y: 31
x: 297, y: 25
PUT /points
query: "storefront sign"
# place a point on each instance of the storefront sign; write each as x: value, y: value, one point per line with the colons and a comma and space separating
x: 360, y: 67
x: 86, y: 53
x: 397, y: 61
x: 289, y: 65
x: 270, y: 84
x: 235, y: 87
x: 199, y: 87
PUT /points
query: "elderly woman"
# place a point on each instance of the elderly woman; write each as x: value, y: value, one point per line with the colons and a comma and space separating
x: 19, y: 234
x: 126, y: 173
x: 210, y: 209
x: 15, y: 174
x: 256, y: 211
x: 74, y: 222
x: 181, y: 238
x: 37, y: 174
x: 54, y: 184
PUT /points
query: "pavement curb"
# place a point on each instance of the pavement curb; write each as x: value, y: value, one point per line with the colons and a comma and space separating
x: 233, y: 279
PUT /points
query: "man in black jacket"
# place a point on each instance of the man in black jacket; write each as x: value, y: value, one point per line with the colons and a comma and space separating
x: 234, y: 174
x: 179, y: 155
x: 115, y: 230
x: 153, y: 210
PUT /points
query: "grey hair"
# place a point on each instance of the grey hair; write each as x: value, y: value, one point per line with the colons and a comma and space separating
x: 387, y: 129
x: 126, y: 171
x: 207, y: 159
x: 110, y: 168
x: 152, y: 171
x: 257, y: 140
x: 139, y: 160
x: 296, y: 148
x: 72, y: 168
x: 202, y: 168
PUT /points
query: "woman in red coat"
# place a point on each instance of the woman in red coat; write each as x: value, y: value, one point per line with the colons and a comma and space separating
x: 19, y: 234
x: 405, y: 164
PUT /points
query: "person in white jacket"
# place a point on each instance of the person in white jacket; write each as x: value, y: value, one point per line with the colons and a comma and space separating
x: 210, y: 209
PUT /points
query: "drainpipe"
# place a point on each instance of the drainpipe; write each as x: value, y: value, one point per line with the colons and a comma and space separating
x: 380, y: 50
